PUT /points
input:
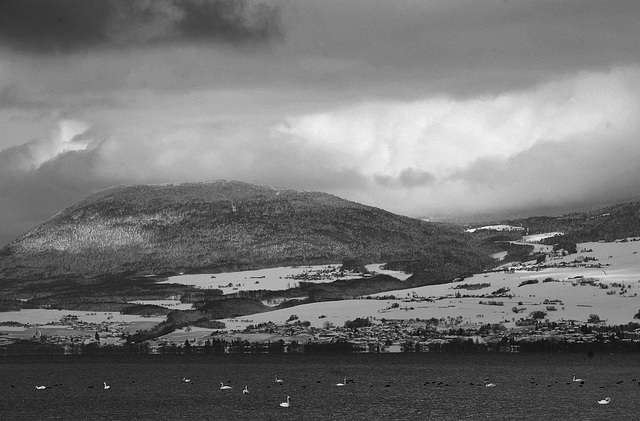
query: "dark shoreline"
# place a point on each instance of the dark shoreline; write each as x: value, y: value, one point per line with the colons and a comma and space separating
x: 624, y: 358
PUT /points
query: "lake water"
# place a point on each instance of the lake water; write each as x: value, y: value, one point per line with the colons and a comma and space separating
x: 379, y: 387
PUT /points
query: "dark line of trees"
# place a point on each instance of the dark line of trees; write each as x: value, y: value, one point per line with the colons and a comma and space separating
x: 609, y: 342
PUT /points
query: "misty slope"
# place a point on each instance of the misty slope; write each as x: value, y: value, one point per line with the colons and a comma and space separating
x: 226, y: 225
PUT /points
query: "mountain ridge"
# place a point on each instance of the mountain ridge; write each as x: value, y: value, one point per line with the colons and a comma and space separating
x: 225, y: 225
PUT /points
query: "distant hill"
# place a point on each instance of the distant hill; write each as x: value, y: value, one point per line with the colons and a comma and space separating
x: 607, y: 223
x: 138, y: 230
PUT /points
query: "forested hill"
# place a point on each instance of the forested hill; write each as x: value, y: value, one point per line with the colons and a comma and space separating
x: 607, y: 223
x: 226, y: 225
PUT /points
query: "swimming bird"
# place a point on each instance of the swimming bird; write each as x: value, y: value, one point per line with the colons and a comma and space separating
x: 604, y: 401
x: 41, y: 387
x: 246, y: 390
x: 223, y: 387
x: 285, y: 404
x: 342, y: 384
x: 106, y: 386
x: 185, y: 380
x: 487, y: 384
x: 279, y: 380
x: 577, y: 380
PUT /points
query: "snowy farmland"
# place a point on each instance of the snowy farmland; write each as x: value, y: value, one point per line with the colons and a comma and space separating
x: 39, y: 317
x: 274, y: 279
x: 613, y: 296
x: 608, y: 289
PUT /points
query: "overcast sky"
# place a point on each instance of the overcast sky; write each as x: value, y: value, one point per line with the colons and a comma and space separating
x: 419, y: 107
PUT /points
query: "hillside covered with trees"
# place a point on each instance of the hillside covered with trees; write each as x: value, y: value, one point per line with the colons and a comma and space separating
x: 129, y: 232
x: 602, y: 224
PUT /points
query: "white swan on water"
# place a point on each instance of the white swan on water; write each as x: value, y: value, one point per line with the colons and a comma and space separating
x: 487, y: 384
x: 342, y: 384
x: 106, y: 386
x: 577, y: 380
x: 285, y: 404
x: 41, y: 387
x: 279, y: 380
x: 604, y: 401
x: 246, y: 390
x: 185, y: 380
x: 223, y: 387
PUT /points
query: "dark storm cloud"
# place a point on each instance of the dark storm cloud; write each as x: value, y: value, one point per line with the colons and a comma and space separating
x: 42, y: 26
x: 31, y: 197
x: 228, y: 19
x: 464, y: 47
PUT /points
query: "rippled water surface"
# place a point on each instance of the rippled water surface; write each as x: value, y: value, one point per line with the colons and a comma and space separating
x: 394, y: 387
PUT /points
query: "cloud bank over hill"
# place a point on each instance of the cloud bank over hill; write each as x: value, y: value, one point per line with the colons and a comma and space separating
x: 421, y: 108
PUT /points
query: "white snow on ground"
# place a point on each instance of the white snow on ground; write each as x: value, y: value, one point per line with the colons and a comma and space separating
x: 170, y: 304
x: 537, y: 247
x: 336, y: 312
x: 42, y: 316
x: 534, y: 238
x: 268, y: 279
x: 273, y: 279
x: 576, y: 302
x: 499, y: 255
x: 495, y: 228
x: 621, y: 266
x: 377, y: 268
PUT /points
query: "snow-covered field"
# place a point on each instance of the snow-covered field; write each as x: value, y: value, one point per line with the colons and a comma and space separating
x: 495, y: 228
x: 538, y: 237
x: 572, y: 301
x: 43, y: 317
x: 576, y: 302
x: 273, y: 279
x: 268, y: 279
x: 170, y: 304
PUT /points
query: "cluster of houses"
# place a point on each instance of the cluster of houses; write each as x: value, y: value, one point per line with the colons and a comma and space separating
x: 397, y: 336
x: 72, y: 332
x: 369, y: 335
x: 584, y: 262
